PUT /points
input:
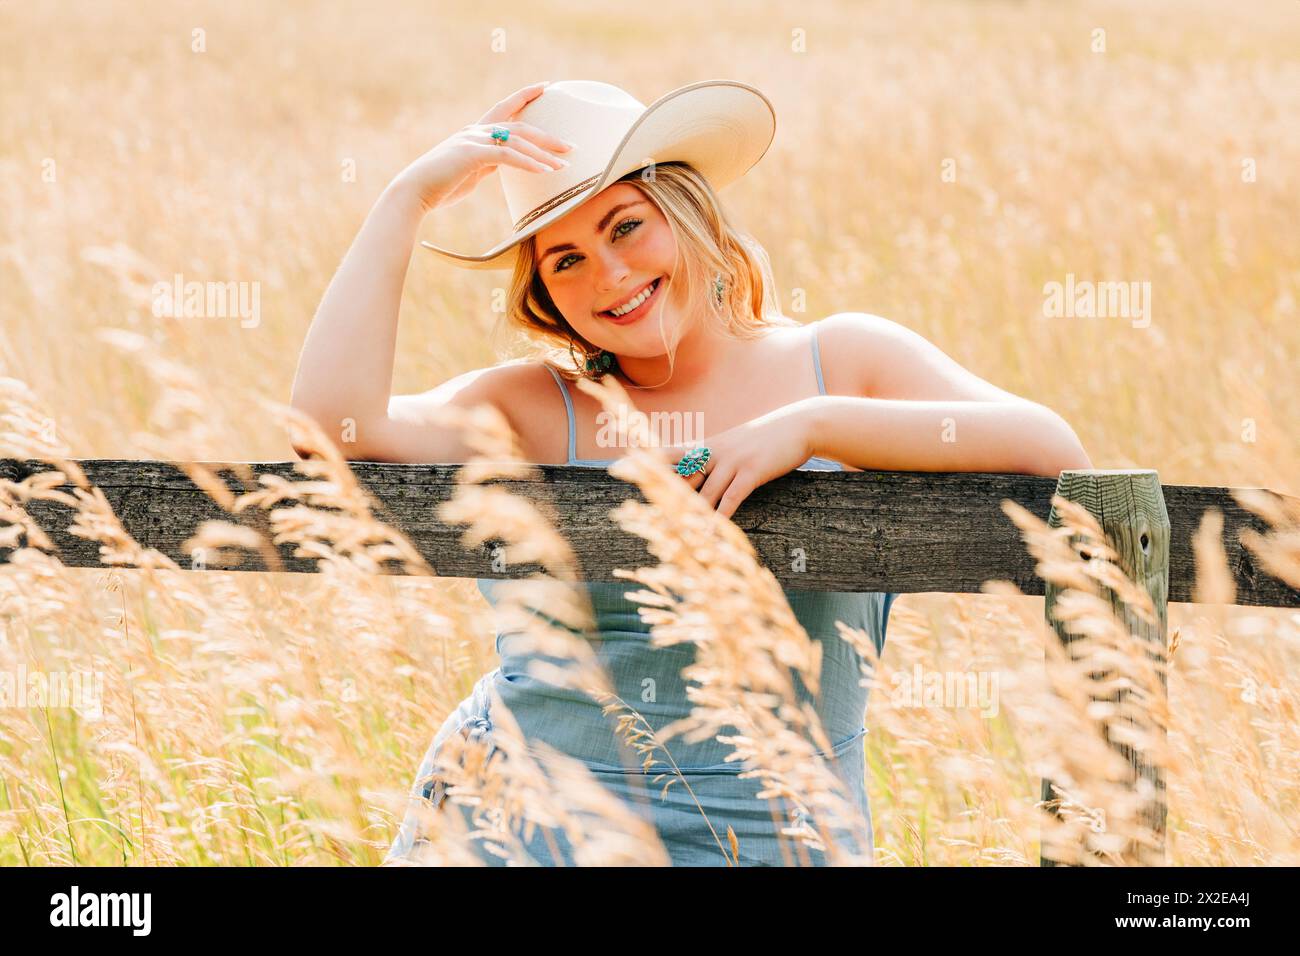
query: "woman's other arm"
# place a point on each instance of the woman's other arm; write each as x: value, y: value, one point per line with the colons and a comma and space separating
x: 911, y: 407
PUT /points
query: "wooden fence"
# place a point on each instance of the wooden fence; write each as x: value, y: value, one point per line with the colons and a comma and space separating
x: 875, y: 531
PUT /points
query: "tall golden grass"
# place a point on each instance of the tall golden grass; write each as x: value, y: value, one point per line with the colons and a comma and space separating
x: 231, y: 732
x: 276, y: 719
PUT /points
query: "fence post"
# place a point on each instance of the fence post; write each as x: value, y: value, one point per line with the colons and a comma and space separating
x: 1130, y: 507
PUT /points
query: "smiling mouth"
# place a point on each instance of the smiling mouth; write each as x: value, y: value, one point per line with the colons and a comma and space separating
x: 648, y: 292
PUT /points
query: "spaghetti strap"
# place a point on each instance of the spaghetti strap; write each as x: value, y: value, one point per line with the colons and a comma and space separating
x: 817, y: 361
x: 568, y: 408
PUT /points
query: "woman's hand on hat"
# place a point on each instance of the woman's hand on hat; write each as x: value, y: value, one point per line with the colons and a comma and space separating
x: 450, y: 171
x: 749, y: 455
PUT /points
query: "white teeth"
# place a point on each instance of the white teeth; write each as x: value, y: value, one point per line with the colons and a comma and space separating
x: 635, y: 302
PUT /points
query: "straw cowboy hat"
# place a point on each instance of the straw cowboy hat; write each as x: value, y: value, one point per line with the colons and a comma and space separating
x: 721, y: 127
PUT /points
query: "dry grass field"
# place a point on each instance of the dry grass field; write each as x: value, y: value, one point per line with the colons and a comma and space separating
x: 938, y: 164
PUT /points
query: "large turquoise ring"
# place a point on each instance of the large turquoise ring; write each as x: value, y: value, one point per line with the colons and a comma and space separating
x: 500, y: 134
x: 693, y: 461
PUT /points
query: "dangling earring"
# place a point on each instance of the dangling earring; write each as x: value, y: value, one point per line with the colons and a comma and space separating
x: 593, y: 366
x: 602, y: 363
x: 719, y: 288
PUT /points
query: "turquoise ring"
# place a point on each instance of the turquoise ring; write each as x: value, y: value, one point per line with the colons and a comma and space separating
x: 500, y: 134
x: 693, y: 461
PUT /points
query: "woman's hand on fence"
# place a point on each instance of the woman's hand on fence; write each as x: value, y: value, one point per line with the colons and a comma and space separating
x: 749, y: 455
x: 450, y: 171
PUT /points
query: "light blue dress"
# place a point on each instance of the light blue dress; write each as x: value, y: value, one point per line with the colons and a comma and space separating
x: 649, y: 679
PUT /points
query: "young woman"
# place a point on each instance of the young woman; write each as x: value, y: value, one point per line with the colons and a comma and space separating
x: 623, y: 263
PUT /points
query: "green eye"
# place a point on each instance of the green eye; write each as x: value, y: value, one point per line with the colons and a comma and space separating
x: 632, y: 223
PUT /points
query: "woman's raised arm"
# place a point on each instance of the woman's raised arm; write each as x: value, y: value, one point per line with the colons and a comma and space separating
x: 345, y: 370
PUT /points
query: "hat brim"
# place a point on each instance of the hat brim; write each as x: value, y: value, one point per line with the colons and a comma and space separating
x: 721, y: 127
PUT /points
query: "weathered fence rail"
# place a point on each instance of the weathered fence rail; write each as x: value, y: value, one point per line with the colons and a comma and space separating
x: 853, y: 531
x: 859, y: 531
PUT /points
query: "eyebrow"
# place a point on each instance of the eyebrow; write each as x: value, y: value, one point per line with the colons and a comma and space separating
x: 600, y: 227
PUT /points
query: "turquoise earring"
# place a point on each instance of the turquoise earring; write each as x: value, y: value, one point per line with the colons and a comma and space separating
x: 602, y: 363
x: 595, y: 366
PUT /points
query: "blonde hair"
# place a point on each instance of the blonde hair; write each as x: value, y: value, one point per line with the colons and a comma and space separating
x: 708, y: 244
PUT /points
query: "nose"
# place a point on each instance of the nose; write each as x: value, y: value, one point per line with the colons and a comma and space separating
x: 611, y: 272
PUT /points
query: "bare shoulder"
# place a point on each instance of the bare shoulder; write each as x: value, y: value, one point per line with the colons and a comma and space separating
x: 853, y: 347
x: 526, y: 393
x: 874, y: 357
x: 523, y: 391
x: 500, y: 384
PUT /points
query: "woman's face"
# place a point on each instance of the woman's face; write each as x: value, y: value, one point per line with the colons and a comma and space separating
x: 605, y: 254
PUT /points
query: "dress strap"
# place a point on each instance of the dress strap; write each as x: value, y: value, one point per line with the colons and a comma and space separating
x: 817, y: 361
x: 568, y: 408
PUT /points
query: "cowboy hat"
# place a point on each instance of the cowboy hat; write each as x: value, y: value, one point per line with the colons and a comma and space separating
x: 721, y: 127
